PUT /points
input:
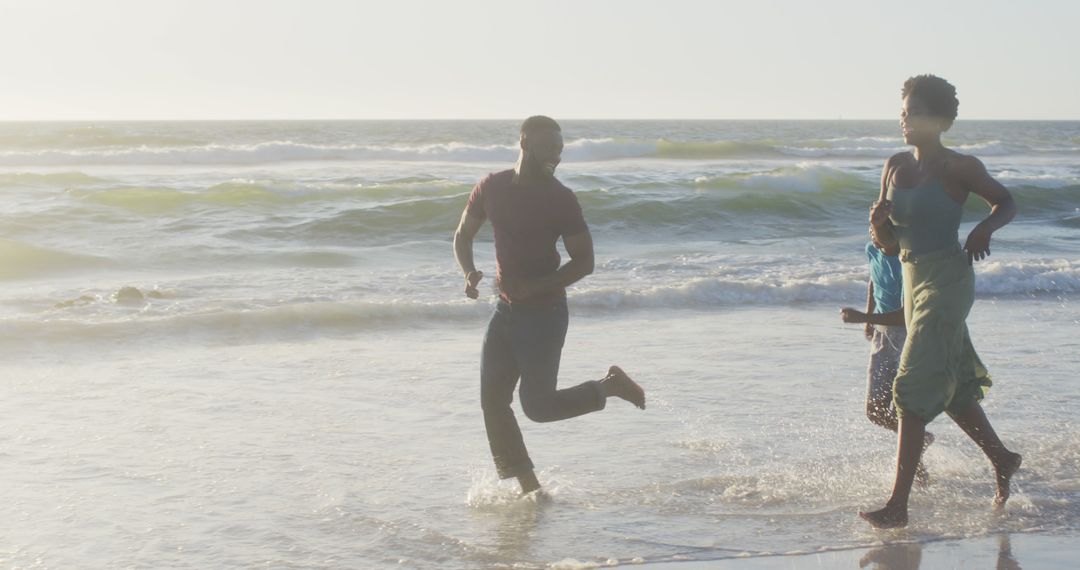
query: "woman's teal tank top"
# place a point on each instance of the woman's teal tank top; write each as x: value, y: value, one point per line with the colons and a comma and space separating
x: 925, y: 217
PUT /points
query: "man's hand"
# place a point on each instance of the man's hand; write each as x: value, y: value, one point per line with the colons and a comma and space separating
x: 879, y: 212
x: 977, y: 245
x: 472, y: 279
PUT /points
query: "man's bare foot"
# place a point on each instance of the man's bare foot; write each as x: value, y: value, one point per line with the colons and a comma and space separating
x: 617, y: 383
x: 539, y: 497
x: 1003, y: 473
x: 887, y: 517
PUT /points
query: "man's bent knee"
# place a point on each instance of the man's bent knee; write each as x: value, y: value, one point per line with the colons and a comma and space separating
x: 539, y: 409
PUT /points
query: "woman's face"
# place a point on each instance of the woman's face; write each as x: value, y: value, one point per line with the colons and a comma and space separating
x: 917, y: 124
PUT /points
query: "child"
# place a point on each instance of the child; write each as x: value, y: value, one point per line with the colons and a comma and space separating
x: 884, y: 318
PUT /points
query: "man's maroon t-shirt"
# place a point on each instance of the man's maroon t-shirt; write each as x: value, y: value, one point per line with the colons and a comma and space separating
x: 528, y: 220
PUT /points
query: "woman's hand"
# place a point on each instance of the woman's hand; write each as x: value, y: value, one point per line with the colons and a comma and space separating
x: 978, y: 245
x: 879, y: 212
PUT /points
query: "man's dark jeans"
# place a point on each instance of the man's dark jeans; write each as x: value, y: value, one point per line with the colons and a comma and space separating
x: 525, y: 341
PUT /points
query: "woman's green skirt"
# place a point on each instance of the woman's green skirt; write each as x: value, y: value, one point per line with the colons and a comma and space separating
x: 939, y: 369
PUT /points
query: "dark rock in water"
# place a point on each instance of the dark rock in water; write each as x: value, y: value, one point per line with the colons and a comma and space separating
x: 128, y: 296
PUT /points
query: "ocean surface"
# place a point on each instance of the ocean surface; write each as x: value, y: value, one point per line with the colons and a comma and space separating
x: 245, y: 344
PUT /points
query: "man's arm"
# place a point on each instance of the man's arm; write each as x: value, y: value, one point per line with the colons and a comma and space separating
x: 582, y: 262
x: 580, y: 249
x: 463, y: 251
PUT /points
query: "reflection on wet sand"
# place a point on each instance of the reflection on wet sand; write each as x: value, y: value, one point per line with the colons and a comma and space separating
x: 908, y: 556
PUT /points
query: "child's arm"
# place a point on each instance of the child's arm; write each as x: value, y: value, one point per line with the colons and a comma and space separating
x: 868, y: 330
x: 850, y: 315
x: 892, y: 318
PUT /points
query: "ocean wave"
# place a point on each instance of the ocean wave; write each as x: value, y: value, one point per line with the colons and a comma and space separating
x: 290, y: 151
x: 267, y: 153
x: 992, y: 279
x: 1013, y: 178
x: 874, y: 147
x: 988, y: 148
x: 261, y: 153
x: 718, y: 292
x: 248, y: 322
x: 717, y: 149
x: 809, y: 192
x: 20, y: 260
x: 1027, y: 277
x: 241, y: 192
x: 802, y: 177
x: 244, y: 323
x: 88, y: 137
x: 841, y: 147
x: 51, y: 179
x: 578, y: 150
x: 1045, y: 202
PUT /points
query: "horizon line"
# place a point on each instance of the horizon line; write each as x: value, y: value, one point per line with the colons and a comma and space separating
x: 370, y: 119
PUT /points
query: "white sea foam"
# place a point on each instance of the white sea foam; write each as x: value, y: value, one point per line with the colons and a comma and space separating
x: 286, y: 151
x: 581, y: 150
x: 101, y: 318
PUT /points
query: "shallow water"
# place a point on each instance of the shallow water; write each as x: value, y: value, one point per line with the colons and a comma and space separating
x: 369, y: 450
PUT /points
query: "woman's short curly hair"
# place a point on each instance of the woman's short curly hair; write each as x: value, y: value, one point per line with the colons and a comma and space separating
x: 938, y: 95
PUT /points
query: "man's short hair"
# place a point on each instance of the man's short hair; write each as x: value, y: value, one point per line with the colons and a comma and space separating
x: 938, y: 95
x: 537, y: 122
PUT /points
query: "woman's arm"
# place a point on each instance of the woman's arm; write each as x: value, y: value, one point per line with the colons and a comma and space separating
x: 973, y: 175
x: 881, y: 227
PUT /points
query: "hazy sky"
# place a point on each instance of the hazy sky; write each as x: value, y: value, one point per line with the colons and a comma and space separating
x: 221, y: 59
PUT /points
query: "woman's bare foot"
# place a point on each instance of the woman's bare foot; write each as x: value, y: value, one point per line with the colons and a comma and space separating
x: 617, y: 383
x: 887, y: 517
x: 1003, y: 473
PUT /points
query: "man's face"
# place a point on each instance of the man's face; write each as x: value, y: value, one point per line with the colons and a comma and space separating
x: 543, y: 150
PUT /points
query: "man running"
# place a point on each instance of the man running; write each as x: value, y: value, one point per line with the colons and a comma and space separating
x: 529, y: 211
